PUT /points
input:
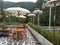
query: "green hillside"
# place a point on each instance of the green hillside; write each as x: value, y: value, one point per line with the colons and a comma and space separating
x: 27, y: 5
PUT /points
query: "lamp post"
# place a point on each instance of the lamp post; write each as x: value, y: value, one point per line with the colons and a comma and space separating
x: 38, y: 12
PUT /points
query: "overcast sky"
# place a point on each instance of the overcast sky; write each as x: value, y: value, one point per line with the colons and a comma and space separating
x: 21, y: 0
x: 51, y: 0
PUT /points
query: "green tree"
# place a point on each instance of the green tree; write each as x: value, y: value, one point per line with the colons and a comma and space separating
x: 2, y: 13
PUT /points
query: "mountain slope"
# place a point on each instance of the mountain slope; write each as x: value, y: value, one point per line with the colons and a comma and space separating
x: 27, y: 5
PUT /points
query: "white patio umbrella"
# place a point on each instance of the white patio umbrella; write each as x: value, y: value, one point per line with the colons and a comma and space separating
x: 37, y: 12
x: 16, y: 10
x: 50, y: 4
x: 32, y: 15
x: 21, y: 16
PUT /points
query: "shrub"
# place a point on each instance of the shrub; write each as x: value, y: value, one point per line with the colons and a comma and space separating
x: 48, y: 34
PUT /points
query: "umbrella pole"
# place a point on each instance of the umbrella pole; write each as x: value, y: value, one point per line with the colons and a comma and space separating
x: 33, y: 19
x: 54, y: 40
x: 18, y: 18
x: 49, y: 18
x: 38, y: 20
x: 30, y: 19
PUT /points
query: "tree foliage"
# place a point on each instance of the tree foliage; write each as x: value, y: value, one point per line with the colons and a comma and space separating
x: 44, y: 18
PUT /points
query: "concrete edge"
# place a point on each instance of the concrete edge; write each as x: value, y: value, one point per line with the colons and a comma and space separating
x: 39, y: 37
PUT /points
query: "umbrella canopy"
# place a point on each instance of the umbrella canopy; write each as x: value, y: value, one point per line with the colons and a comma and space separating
x: 15, y: 10
x: 31, y: 15
x: 51, y: 3
x: 37, y: 11
x: 21, y: 16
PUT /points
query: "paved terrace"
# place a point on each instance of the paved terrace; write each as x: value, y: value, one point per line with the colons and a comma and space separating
x: 30, y: 40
